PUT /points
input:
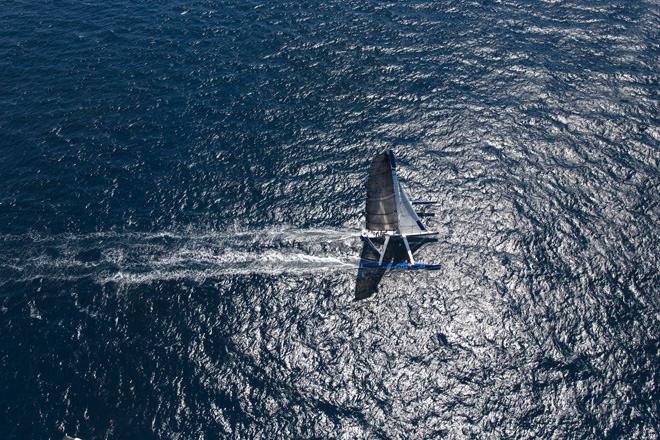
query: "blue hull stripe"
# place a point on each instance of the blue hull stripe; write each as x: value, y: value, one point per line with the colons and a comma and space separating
x: 400, y: 266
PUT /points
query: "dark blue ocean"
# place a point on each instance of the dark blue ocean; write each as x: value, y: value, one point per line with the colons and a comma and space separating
x: 182, y: 188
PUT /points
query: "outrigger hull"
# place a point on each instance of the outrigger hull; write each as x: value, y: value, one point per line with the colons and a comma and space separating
x: 400, y: 266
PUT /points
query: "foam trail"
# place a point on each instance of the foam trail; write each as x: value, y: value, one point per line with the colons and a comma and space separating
x: 115, y: 257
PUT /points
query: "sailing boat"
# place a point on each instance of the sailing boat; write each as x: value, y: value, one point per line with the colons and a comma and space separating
x: 392, y: 225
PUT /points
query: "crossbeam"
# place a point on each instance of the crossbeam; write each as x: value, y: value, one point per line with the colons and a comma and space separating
x: 379, y: 234
x: 410, y: 255
x: 382, y: 254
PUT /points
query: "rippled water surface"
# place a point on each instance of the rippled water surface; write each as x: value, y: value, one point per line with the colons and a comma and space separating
x: 181, y: 194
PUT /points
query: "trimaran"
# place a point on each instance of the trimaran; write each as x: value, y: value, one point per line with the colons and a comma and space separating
x: 391, y: 222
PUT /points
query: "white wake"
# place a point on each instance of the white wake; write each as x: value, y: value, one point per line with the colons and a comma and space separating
x: 133, y: 258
